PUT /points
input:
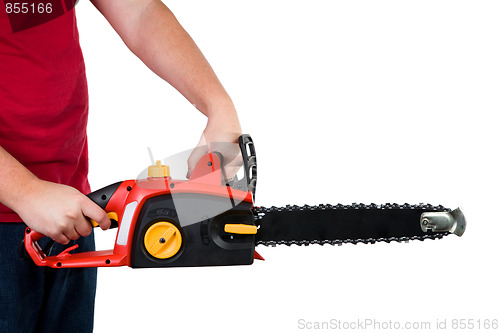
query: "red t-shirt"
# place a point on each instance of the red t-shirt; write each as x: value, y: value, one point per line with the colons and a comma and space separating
x: 44, y: 101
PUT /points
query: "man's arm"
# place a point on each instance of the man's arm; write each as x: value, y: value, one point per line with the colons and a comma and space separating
x: 152, y: 32
x: 55, y: 210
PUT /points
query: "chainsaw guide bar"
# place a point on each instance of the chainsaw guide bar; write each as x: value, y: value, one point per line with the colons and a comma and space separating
x: 341, y: 224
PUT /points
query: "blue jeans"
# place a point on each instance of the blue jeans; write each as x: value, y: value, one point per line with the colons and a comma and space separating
x: 43, y: 299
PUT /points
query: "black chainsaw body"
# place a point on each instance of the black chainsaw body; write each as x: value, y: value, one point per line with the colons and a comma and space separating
x: 201, y: 219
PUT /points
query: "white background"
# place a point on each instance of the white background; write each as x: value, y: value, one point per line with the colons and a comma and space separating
x: 347, y: 101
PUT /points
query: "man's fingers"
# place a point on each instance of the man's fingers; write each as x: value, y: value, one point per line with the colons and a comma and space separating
x: 96, y: 213
x: 61, y: 239
x: 72, y: 234
x: 200, y: 150
x: 83, y: 229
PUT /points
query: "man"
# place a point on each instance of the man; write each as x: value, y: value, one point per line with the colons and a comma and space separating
x: 43, y: 146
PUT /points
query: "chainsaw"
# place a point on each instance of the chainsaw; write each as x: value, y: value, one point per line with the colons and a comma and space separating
x: 210, y: 218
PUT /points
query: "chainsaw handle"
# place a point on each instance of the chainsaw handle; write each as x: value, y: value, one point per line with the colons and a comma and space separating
x: 112, y: 196
x: 101, y: 198
x: 31, y: 237
x: 34, y: 236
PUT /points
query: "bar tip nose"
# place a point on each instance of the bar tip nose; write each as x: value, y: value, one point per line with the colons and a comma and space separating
x: 453, y: 222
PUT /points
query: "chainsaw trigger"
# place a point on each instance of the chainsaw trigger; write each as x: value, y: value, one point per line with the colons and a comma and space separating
x: 112, y: 216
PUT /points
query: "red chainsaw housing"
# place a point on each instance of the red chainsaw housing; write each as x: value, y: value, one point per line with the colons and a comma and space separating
x: 127, y: 202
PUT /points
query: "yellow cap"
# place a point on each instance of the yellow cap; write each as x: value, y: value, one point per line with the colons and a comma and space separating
x: 162, y: 240
x: 158, y: 170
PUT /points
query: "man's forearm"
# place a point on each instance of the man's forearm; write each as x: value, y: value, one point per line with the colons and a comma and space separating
x: 16, y: 180
x: 153, y: 33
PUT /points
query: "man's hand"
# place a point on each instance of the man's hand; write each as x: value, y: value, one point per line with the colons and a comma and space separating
x: 222, y: 127
x: 60, y: 212
x: 55, y: 210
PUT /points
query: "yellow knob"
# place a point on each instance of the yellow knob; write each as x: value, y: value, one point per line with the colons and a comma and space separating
x: 158, y: 170
x: 162, y: 240
x: 240, y: 229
